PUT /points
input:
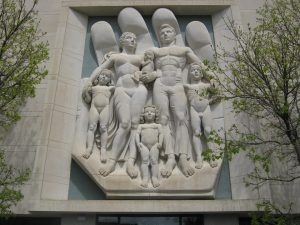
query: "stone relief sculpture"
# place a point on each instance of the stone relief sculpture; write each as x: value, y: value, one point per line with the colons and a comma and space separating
x: 98, y: 94
x: 149, y: 139
x: 146, y: 80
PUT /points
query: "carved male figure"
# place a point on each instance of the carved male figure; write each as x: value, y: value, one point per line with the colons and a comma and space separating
x: 149, y: 138
x: 98, y: 93
x: 201, y: 118
x: 129, y: 99
x: 168, y: 94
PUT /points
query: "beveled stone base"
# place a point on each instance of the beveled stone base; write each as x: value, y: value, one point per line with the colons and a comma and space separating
x: 118, y: 185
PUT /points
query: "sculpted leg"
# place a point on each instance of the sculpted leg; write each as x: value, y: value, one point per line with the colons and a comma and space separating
x: 93, y: 120
x: 196, y: 127
x: 103, y: 132
x: 171, y: 162
x: 130, y: 168
x: 137, y: 103
x: 178, y: 103
x: 160, y: 99
x: 154, y: 153
x: 145, y: 165
x: 123, y: 112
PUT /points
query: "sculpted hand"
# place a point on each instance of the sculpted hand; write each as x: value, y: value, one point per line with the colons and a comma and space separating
x: 141, y: 146
x: 159, y: 145
x: 147, y: 77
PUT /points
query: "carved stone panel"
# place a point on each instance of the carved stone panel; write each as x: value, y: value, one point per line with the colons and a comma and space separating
x: 145, y: 113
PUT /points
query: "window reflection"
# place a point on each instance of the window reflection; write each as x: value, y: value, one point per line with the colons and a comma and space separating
x: 150, y: 220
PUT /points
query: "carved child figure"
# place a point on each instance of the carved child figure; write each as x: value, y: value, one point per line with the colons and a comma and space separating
x: 148, y: 64
x: 149, y: 139
x: 98, y: 93
x: 201, y: 118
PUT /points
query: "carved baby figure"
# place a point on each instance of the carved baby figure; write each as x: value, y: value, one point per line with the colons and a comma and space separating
x: 98, y: 94
x: 149, y: 139
x: 148, y: 64
x: 201, y: 117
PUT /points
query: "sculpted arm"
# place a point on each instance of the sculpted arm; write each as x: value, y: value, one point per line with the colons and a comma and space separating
x: 191, y: 57
x: 106, y: 65
x: 137, y: 135
x: 160, y: 136
x: 87, y: 93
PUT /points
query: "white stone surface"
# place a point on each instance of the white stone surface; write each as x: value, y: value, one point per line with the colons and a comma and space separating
x: 145, y: 206
x: 55, y: 15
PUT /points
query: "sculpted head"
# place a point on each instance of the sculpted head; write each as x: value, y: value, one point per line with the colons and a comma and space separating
x: 128, y: 40
x: 195, y: 71
x: 103, y: 78
x: 148, y: 56
x: 150, y: 114
x: 167, y: 34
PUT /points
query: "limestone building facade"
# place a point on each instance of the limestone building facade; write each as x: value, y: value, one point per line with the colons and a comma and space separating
x: 62, y: 190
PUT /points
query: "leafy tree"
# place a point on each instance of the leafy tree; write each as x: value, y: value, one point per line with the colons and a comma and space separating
x: 21, y: 56
x: 11, y: 180
x: 273, y: 215
x: 261, y: 78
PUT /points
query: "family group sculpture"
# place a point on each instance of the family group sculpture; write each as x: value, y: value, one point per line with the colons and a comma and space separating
x: 158, y: 110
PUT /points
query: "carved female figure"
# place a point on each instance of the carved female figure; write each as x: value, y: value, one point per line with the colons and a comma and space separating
x: 129, y: 99
x: 149, y: 138
x: 98, y: 93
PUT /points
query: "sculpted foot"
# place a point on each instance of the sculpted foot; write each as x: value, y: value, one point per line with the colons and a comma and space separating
x: 167, y: 171
x: 199, y: 163
x: 87, y: 154
x: 103, y: 155
x: 144, y: 183
x: 131, y: 170
x: 108, y: 167
x: 155, y: 182
x: 213, y: 164
x: 185, y: 166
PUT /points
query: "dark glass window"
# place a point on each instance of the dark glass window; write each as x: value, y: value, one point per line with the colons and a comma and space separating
x: 150, y: 220
x: 30, y: 221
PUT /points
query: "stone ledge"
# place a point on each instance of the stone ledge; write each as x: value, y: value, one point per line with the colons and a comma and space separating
x: 144, y: 206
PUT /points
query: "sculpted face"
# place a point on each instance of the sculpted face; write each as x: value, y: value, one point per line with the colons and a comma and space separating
x: 148, y: 56
x: 196, y: 72
x: 149, y: 114
x: 104, y: 78
x: 128, y: 40
x: 167, y: 35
